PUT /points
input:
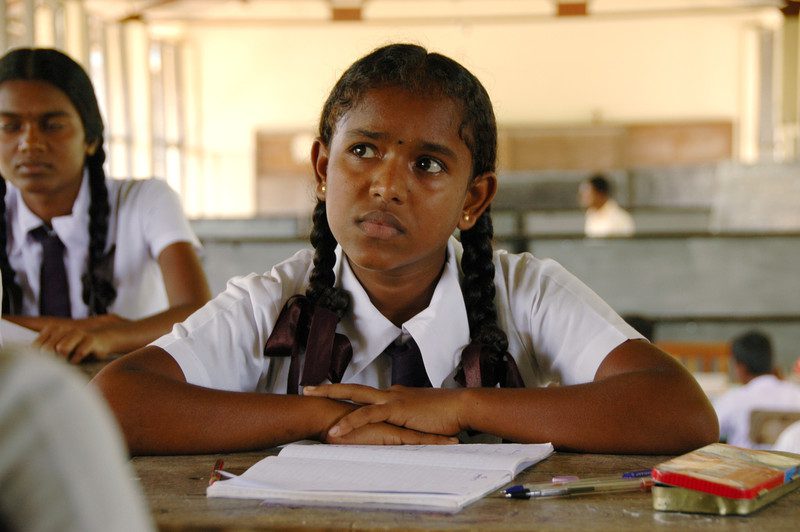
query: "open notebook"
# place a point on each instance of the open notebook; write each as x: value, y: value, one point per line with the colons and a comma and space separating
x: 442, y: 478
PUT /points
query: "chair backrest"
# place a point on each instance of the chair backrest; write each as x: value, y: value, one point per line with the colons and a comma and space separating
x: 767, y: 425
x: 700, y: 356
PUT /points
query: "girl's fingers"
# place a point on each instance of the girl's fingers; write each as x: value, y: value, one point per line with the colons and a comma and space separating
x: 357, y: 393
x: 82, y: 350
x: 403, y: 436
x: 383, y: 434
x: 435, y: 439
x: 358, y: 418
x: 65, y: 346
x: 48, y: 341
x: 44, y: 336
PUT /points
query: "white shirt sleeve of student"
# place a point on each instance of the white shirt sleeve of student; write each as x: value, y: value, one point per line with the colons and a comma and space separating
x: 146, y: 217
x: 150, y: 219
x: 558, y: 329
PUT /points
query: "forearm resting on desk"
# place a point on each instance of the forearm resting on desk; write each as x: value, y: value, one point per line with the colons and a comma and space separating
x: 101, y: 336
x: 626, y: 414
x: 162, y: 414
x: 641, y: 401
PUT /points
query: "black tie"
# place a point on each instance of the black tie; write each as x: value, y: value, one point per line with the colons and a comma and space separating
x: 407, y: 366
x: 53, y: 284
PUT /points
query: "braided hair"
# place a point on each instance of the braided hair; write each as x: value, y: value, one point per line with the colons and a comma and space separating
x: 412, y: 68
x: 59, y: 70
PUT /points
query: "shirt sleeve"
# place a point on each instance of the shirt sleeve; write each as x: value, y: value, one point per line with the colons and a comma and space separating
x: 221, y: 346
x: 566, y: 326
x: 163, y: 221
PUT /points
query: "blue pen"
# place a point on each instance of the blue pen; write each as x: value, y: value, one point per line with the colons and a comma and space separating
x: 639, y: 473
x: 586, y: 486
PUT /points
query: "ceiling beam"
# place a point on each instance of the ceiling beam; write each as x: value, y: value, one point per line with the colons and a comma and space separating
x: 572, y: 9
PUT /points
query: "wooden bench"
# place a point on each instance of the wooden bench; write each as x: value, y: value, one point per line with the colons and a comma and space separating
x: 767, y: 425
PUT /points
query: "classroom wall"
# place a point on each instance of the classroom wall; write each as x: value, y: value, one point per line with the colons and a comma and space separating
x: 702, y: 288
x: 542, y: 71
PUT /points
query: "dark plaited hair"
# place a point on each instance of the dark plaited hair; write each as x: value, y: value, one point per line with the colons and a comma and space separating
x: 59, y: 70
x: 414, y: 69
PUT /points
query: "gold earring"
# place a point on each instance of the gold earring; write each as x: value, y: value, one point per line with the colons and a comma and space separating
x: 322, y: 188
x: 466, y: 217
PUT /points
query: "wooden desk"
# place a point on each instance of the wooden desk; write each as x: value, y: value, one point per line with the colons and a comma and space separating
x: 175, y: 488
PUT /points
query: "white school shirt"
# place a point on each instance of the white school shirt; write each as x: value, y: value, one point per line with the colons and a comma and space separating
x: 63, y: 462
x: 608, y: 220
x: 558, y: 329
x: 146, y: 216
x: 765, y: 392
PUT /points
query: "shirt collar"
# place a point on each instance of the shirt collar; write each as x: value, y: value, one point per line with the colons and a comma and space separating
x: 441, y: 330
x: 70, y: 228
x: 763, y: 379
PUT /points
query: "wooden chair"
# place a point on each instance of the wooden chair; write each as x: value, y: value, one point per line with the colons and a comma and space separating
x: 767, y: 425
x: 700, y: 356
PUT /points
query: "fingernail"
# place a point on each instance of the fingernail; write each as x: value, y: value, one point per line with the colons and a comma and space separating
x: 309, y: 388
x: 334, y: 431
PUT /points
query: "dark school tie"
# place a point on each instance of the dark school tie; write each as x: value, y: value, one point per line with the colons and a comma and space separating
x: 407, y: 366
x: 53, y: 284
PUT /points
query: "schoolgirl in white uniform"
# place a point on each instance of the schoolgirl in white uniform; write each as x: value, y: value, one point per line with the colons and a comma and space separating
x: 129, y: 255
x: 466, y: 337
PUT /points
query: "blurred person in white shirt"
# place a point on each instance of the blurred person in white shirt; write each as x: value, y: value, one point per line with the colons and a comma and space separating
x: 761, y: 390
x: 604, y: 216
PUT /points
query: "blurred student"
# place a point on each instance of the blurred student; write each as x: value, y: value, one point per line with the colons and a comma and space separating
x: 604, y: 216
x: 63, y: 465
x: 95, y: 265
x: 761, y: 389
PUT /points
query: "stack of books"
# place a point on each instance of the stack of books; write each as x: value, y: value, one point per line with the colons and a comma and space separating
x: 723, y: 479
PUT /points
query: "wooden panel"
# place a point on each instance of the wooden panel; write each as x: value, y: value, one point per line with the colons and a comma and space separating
x: 678, y: 144
x: 574, y: 148
x: 606, y: 147
x: 284, y: 176
x: 767, y: 425
x: 277, y: 153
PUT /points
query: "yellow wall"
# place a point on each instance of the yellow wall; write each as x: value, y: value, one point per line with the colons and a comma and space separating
x: 245, y: 78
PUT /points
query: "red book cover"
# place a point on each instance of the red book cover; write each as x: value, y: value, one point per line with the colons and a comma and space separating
x: 729, y: 471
